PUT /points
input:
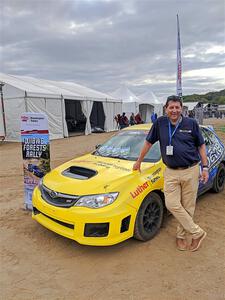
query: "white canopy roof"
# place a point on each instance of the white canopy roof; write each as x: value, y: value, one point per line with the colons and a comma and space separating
x: 149, y: 97
x: 190, y: 105
x: 56, y: 89
x: 125, y: 94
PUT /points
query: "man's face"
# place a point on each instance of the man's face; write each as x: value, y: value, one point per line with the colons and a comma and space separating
x: 174, y: 110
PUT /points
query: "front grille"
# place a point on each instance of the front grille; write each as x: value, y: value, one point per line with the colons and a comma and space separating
x: 58, y: 199
x: 36, y: 212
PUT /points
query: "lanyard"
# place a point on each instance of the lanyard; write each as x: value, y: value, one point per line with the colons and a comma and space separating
x: 170, y: 130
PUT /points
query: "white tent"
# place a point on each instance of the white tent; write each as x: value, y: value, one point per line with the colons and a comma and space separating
x: 129, y: 100
x: 149, y: 104
x: 57, y: 99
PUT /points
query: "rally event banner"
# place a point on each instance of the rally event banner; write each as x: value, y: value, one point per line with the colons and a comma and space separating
x: 36, y: 151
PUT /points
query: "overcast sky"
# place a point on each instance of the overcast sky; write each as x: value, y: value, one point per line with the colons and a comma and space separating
x: 106, y: 44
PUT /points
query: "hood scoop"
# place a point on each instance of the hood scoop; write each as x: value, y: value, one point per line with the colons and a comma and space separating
x: 79, y: 173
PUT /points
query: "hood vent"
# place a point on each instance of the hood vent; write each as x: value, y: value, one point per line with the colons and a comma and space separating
x: 79, y: 173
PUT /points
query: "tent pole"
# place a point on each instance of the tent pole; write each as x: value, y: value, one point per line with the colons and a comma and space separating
x: 25, y: 100
x: 63, y: 108
x: 3, y: 109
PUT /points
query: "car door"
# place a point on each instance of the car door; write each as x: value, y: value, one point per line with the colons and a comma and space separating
x: 214, y: 151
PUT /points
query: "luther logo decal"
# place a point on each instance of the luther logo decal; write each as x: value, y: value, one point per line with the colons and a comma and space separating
x: 139, y: 190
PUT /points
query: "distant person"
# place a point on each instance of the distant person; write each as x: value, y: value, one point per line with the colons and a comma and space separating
x: 124, y: 121
x: 191, y: 114
x: 153, y: 117
x: 118, y: 119
x: 132, y: 119
x: 138, y: 119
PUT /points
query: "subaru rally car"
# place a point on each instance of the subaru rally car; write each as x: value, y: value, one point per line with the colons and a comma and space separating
x: 35, y: 170
x: 97, y: 199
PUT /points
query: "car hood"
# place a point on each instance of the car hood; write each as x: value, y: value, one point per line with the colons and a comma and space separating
x: 91, y: 174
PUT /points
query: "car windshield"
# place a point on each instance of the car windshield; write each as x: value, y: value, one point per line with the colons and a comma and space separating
x: 127, y: 145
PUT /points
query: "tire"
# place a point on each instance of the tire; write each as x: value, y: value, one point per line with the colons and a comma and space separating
x: 149, y: 218
x: 219, y: 180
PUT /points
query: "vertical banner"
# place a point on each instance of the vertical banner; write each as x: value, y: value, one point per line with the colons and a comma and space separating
x: 179, y: 66
x: 36, y: 151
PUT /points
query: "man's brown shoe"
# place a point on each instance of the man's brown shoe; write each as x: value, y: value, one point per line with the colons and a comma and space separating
x: 196, y: 243
x: 181, y: 244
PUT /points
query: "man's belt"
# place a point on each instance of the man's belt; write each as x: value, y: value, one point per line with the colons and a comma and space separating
x: 183, y: 168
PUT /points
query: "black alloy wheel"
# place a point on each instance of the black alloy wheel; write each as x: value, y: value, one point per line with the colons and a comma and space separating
x: 149, y: 217
x: 219, y: 180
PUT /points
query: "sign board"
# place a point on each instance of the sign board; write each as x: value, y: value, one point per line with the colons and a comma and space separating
x: 36, y: 151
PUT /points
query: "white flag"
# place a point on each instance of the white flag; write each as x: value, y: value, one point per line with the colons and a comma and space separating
x: 179, y: 66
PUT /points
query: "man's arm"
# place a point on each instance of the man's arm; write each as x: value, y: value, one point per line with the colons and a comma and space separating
x: 144, y: 151
x: 205, y: 172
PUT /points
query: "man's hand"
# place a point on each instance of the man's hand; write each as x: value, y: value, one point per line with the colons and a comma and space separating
x: 204, y: 176
x: 144, y: 150
x: 137, y: 166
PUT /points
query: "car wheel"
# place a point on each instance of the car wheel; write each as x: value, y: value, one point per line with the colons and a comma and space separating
x: 149, y: 218
x: 219, y: 180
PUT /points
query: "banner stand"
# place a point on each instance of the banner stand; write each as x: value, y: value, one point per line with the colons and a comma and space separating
x: 36, y: 152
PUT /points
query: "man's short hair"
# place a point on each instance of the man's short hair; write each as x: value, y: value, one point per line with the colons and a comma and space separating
x: 175, y: 99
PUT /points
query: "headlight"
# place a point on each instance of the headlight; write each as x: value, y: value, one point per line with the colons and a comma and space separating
x: 97, y: 201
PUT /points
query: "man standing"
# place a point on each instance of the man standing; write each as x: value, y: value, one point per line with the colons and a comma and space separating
x: 182, y: 146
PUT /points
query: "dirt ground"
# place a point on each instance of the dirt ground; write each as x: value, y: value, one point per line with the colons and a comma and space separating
x: 39, y: 264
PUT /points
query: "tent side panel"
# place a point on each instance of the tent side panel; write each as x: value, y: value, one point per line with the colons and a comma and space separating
x: 109, y: 119
x: 129, y: 108
x: 158, y: 108
x: 13, y: 110
x: 52, y: 108
x: 10, y: 91
x: 65, y: 128
x: 54, y: 113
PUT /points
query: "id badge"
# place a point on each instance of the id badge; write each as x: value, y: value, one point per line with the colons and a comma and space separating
x: 169, y: 150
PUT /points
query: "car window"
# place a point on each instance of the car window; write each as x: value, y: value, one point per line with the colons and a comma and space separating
x: 127, y: 145
x: 206, y: 137
x: 213, y: 146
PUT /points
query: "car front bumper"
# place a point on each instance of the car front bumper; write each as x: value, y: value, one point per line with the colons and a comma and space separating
x: 97, y: 227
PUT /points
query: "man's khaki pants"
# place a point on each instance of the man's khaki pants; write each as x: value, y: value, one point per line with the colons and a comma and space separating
x: 180, y: 189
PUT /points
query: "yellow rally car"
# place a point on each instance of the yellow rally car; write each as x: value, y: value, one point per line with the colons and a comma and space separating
x: 97, y: 199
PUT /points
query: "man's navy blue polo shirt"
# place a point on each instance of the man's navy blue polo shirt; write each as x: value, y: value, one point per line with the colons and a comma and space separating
x: 185, y: 141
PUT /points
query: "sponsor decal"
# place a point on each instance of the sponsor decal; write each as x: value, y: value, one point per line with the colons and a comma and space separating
x: 33, y: 147
x: 24, y: 118
x: 140, y: 189
x: 153, y: 180
x: 156, y: 172
x: 104, y: 164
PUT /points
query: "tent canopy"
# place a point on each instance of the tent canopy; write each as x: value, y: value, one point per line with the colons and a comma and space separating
x: 149, y: 97
x: 54, y: 98
x: 130, y: 102
x: 190, y: 105
x: 125, y: 94
x: 55, y: 89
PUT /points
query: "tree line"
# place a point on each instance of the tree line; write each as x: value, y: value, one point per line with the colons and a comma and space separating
x: 211, y: 97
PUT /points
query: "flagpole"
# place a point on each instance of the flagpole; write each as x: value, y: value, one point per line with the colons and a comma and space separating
x: 179, y: 65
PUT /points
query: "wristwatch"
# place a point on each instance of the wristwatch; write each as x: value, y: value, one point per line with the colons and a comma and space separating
x: 205, y: 167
